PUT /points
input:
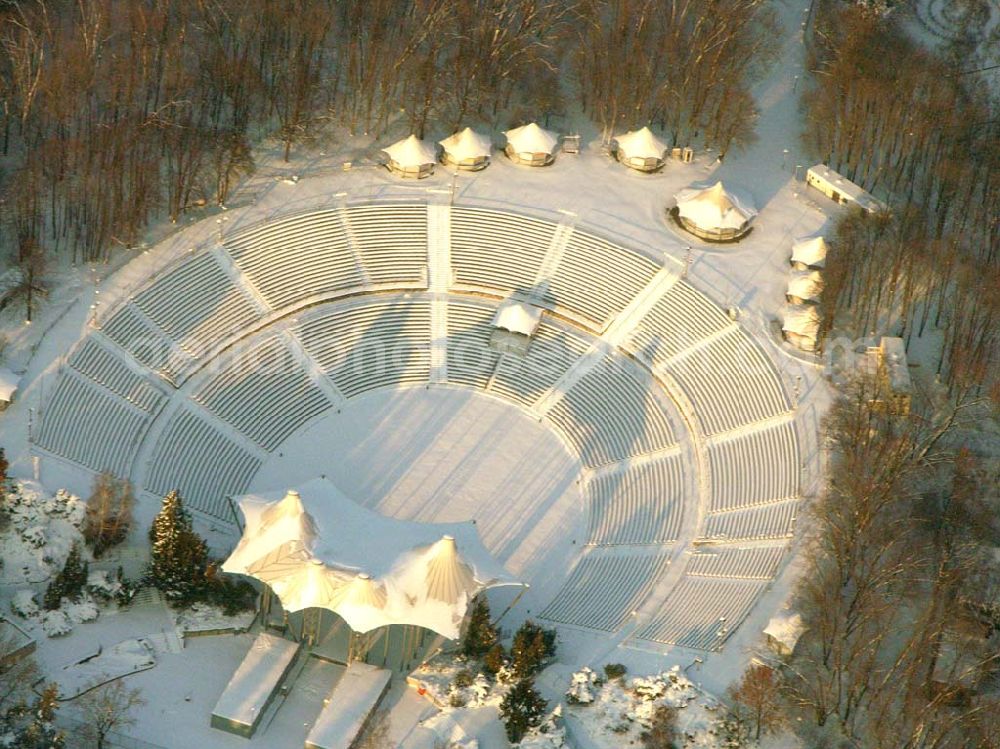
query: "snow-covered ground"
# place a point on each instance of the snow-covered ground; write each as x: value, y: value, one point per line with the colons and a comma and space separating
x: 437, y: 454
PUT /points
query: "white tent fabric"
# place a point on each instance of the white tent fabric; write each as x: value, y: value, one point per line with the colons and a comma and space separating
x: 371, y: 570
x: 715, y: 208
x: 807, y: 286
x: 518, y: 317
x: 8, y: 384
x: 467, y: 144
x: 532, y: 139
x: 641, y: 144
x: 801, y: 320
x: 411, y: 153
x: 810, y: 251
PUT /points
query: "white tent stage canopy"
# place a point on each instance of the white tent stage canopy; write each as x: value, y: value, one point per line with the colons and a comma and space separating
x: 715, y: 210
x: 315, y: 547
x: 809, y: 252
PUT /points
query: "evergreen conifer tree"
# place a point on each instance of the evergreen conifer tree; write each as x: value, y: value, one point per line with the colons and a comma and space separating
x: 531, y: 646
x: 480, y: 634
x: 521, y: 709
x: 70, y: 581
x: 179, y: 557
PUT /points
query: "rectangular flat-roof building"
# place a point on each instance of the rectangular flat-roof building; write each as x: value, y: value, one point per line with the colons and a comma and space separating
x: 841, y: 190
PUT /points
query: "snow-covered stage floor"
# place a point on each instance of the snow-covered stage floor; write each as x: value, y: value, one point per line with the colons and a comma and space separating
x: 444, y: 455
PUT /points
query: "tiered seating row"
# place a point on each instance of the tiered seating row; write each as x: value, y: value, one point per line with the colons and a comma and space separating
x: 471, y: 361
x: 497, y: 249
x: 552, y: 352
x: 96, y: 362
x: 770, y: 521
x: 730, y: 383
x: 701, y: 612
x: 598, y: 279
x: 148, y: 345
x: 264, y: 393
x: 681, y: 318
x: 757, y: 468
x: 753, y: 563
x: 197, y: 304
x: 296, y: 257
x: 370, y: 346
x: 611, y: 413
x: 392, y: 241
x: 605, y: 588
x: 203, y: 464
x: 91, y: 425
x: 641, y: 505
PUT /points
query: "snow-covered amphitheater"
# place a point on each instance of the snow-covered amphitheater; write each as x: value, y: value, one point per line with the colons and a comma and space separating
x: 642, y: 467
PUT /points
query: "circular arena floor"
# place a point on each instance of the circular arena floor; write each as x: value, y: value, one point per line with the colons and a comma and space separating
x: 639, y: 466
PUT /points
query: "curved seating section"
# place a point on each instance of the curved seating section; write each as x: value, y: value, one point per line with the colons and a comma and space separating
x: 613, y: 413
x: 392, y: 242
x: 604, y: 588
x: 768, y: 521
x: 701, y: 612
x: 752, y: 563
x: 264, y: 393
x: 91, y: 425
x: 201, y: 462
x: 470, y: 359
x: 105, y: 368
x: 148, y: 345
x: 730, y: 383
x: 525, y: 379
x: 680, y: 319
x: 640, y: 505
x: 597, y: 279
x: 372, y: 345
x: 305, y: 251
x: 753, y: 469
x: 496, y: 249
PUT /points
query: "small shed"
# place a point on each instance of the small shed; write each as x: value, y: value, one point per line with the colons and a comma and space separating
x: 783, y: 632
x: 515, y: 323
x: 801, y: 326
x: 809, y: 254
x: 804, y: 287
x: 841, y: 190
x: 887, y: 361
x: 467, y: 150
x: 715, y: 213
x: 411, y: 158
x: 531, y: 145
x: 8, y: 387
x: 640, y: 150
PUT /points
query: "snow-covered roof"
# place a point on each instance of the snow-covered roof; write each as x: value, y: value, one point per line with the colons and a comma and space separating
x: 786, y: 628
x: 411, y: 152
x: 532, y: 139
x: 845, y: 187
x: 802, y: 320
x: 344, y: 714
x: 518, y: 317
x: 715, y: 207
x: 467, y: 144
x: 8, y: 384
x: 316, y: 547
x: 894, y: 360
x: 641, y: 144
x: 807, y: 285
x: 810, y: 251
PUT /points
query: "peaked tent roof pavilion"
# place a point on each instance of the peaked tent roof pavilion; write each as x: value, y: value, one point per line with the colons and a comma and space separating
x: 410, y: 152
x: 371, y: 570
x: 806, y: 285
x: 715, y: 207
x: 810, y: 251
x: 641, y: 144
x: 532, y: 139
x: 802, y: 320
x: 467, y: 144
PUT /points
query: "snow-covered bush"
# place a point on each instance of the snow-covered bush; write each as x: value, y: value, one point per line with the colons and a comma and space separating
x: 549, y: 734
x: 55, y: 623
x: 34, y: 536
x: 581, y: 687
x: 24, y: 604
x: 99, y: 585
x: 84, y: 610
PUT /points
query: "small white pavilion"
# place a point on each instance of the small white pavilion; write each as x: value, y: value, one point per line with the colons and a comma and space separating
x: 801, y: 326
x: 804, y: 287
x: 640, y: 150
x: 9, y: 383
x: 467, y: 150
x: 411, y: 158
x: 531, y: 145
x: 715, y: 213
x: 809, y: 254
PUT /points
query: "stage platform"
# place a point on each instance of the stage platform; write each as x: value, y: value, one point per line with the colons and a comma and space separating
x: 349, y: 707
x: 254, y: 684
